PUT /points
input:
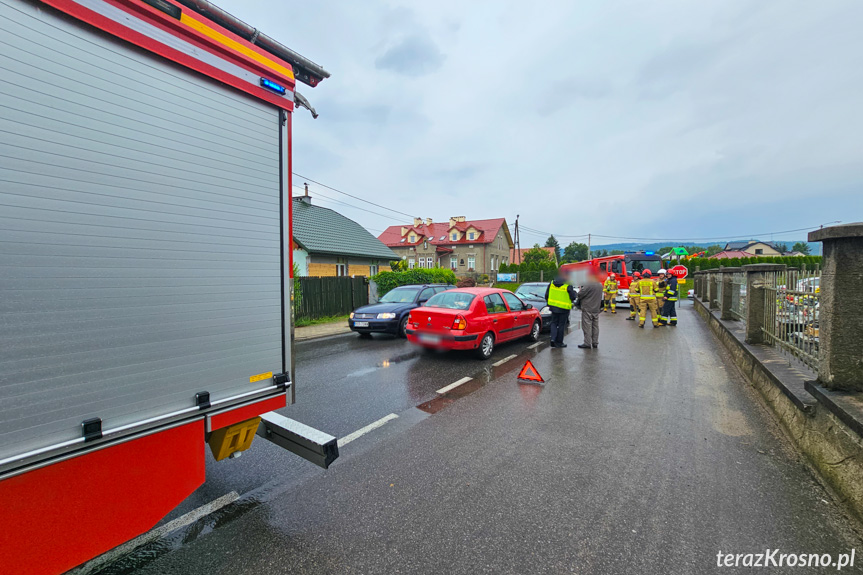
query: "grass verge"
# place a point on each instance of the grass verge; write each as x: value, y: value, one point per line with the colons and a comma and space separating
x: 305, y: 322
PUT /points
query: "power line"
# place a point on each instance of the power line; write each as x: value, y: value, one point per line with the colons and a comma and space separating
x: 353, y: 196
x: 726, y: 237
x: 348, y: 205
x: 746, y: 236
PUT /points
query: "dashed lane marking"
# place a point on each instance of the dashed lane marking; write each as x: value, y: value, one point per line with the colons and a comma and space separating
x: 454, y: 385
x: 504, y: 360
x: 157, y: 533
x: 370, y: 427
x: 534, y: 345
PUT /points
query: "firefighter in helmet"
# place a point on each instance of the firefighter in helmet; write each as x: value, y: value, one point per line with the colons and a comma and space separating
x: 646, y: 289
x: 609, y: 290
x: 634, y: 297
x: 668, y: 315
x: 659, y: 291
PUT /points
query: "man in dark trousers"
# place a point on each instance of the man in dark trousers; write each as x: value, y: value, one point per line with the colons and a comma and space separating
x: 668, y: 315
x: 590, y: 301
x: 559, y: 296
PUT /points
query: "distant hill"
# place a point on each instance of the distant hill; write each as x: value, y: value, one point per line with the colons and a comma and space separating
x: 652, y: 247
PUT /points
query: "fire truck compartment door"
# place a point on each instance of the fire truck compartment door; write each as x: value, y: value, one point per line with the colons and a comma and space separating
x: 140, y: 236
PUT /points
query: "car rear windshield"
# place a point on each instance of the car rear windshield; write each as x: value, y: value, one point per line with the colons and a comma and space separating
x: 535, y: 290
x: 451, y: 300
x: 400, y: 295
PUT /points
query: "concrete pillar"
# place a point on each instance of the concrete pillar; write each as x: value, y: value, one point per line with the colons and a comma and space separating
x: 712, y: 292
x: 727, y: 279
x: 705, y: 292
x: 755, y: 283
x: 840, y: 315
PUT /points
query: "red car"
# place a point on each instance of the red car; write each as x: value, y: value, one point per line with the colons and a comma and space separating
x: 472, y: 318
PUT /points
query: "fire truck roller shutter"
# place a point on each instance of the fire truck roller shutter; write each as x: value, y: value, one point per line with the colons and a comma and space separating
x: 140, y: 234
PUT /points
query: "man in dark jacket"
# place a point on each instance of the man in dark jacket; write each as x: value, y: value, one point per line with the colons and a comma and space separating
x: 559, y: 295
x: 590, y: 301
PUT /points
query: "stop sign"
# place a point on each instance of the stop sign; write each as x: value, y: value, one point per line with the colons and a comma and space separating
x: 679, y: 272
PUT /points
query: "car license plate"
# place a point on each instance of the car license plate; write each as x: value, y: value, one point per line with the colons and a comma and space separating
x: 361, y: 324
x: 429, y: 338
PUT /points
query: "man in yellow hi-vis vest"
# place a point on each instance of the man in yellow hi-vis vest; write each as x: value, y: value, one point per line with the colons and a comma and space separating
x: 648, y: 299
x: 559, y: 296
x: 609, y: 289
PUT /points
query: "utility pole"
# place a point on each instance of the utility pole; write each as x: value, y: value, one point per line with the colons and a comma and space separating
x: 588, y: 246
x: 517, y: 241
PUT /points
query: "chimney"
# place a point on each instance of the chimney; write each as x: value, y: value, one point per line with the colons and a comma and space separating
x: 418, y: 222
x: 428, y: 221
x: 460, y: 219
x: 452, y: 222
x: 306, y: 198
x: 404, y: 230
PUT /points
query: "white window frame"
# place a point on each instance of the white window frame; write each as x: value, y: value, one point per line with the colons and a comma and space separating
x: 453, y: 262
x: 373, y: 268
x: 454, y: 236
x: 411, y: 263
x: 471, y: 263
x: 341, y: 267
x: 471, y: 235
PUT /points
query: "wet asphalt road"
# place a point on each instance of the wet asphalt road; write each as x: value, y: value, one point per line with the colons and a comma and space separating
x: 344, y: 384
x: 648, y: 455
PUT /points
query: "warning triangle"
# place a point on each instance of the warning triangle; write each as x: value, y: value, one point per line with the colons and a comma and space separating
x: 529, y: 373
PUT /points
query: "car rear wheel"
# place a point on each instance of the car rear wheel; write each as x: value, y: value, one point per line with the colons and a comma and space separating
x: 403, y: 325
x: 486, y: 346
x: 534, y: 331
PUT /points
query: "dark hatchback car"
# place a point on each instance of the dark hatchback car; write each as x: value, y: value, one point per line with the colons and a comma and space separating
x: 534, y: 294
x: 390, y: 314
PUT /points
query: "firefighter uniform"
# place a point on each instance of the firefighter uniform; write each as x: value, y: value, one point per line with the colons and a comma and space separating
x: 634, y: 298
x: 669, y: 311
x: 609, y: 289
x: 659, y: 292
x: 648, y: 302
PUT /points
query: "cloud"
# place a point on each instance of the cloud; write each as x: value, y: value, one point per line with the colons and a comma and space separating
x: 566, y: 92
x: 675, y: 68
x: 732, y: 117
x: 458, y: 174
x: 413, y: 56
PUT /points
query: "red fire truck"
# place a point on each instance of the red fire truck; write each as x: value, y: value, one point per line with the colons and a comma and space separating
x: 623, y: 266
x: 145, y: 261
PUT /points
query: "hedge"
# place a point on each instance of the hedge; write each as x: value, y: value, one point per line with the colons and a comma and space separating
x: 389, y: 280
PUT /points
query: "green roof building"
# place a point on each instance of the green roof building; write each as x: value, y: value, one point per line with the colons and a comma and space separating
x: 327, y: 243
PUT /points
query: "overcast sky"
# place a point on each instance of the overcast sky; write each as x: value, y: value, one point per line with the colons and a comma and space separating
x: 664, y: 119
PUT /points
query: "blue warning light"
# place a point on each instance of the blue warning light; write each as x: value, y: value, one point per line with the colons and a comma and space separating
x: 270, y: 85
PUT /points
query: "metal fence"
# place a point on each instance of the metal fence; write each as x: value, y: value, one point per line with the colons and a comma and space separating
x: 328, y: 296
x: 738, y: 296
x: 791, y: 303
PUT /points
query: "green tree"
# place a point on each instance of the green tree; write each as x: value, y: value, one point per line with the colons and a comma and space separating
x: 781, y: 247
x: 574, y: 252
x: 801, y: 247
x: 552, y: 242
x: 714, y: 249
x: 536, y: 255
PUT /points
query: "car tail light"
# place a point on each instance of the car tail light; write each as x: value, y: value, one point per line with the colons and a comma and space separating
x: 459, y: 323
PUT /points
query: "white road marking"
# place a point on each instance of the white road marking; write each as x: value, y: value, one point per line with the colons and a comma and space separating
x: 504, y: 360
x: 454, y: 385
x: 157, y: 533
x: 370, y: 427
x: 534, y: 345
